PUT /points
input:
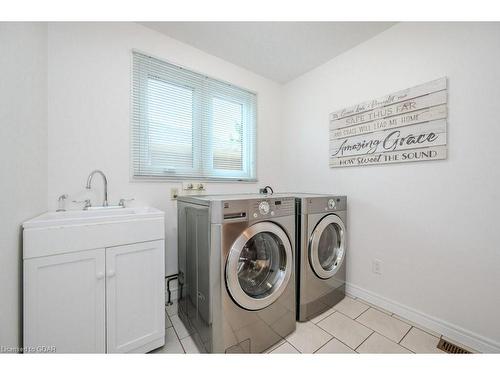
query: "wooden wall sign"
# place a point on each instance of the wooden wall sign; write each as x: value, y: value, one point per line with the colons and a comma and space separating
x: 408, y: 125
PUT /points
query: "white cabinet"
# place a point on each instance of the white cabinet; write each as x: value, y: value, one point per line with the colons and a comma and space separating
x: 135, y: 294
x: 64, y: 302
x: 96, y: 301
x: 94, y: 284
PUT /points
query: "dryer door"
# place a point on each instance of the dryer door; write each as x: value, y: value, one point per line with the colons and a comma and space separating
x: 327, y: 246
x: 259, y: 266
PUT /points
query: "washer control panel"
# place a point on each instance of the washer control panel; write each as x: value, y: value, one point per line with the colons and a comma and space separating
x: 257, y: 209
x: 271, y: 207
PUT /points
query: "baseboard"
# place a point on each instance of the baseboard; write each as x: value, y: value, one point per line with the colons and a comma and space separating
x: 454, y: 332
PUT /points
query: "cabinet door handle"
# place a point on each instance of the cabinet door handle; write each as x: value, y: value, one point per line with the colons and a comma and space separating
x: 111, y: 273
x: 100, y: 275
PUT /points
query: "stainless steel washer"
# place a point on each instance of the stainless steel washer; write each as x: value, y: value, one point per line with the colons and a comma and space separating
x: 237, y: 270
x: 321, y: 252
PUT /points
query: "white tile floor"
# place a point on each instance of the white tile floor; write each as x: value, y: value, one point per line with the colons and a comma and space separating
x: 352, y: 326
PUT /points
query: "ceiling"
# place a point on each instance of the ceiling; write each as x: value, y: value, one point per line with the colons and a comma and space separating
x: 280, y: 51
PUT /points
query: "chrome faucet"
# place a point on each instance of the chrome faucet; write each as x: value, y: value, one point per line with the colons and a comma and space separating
x: 89, y: 182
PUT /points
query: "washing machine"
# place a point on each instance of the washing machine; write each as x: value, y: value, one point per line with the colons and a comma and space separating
x: 321, y: 252
x: 237, y: 271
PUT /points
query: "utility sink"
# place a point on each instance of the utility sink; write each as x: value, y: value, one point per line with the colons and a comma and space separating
x: 68, y: 231
x: 101, y: 215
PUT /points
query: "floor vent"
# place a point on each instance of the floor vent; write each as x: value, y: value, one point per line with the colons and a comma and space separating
x: 448, y: 347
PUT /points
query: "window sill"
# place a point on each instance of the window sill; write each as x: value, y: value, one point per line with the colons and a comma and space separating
x: 186, y: 179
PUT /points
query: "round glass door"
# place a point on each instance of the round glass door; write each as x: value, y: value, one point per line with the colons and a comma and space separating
x: 259, y: 266
x: 327, y: 246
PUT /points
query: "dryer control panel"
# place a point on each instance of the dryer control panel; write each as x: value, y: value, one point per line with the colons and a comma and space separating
x: 326, y: 204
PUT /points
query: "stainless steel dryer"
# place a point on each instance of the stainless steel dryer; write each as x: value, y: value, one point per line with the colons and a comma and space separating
x: 237, y: 270
x: 321, y: 252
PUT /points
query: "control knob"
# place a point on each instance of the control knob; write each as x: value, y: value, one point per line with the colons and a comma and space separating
x: 331, y: 204
x: 264, y: 208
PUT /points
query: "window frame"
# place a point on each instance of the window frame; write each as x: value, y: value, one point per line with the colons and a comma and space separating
x: 249, y: 147
x: 246, y: 149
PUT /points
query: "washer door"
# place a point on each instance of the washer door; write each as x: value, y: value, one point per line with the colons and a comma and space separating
x: 327, y: 246
x: 259, y: 266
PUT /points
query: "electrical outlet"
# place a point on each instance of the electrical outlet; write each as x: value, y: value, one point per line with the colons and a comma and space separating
x: 377, y: 266
x: 174, y: 193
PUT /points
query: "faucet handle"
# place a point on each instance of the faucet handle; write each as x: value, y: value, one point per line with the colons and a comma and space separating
x: 61, y: 203
x: 122, y: 201
x: 86, y: 203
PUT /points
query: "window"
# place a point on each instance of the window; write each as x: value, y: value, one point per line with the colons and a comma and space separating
x: 187, y: 125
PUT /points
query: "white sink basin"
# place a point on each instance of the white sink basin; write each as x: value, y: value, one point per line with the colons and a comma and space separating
x: 63, y: 232
x: 75, y: 217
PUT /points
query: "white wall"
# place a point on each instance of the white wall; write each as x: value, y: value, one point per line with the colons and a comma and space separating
x: 434, y: 224
x: 89, y: 68
x: 23, y: 155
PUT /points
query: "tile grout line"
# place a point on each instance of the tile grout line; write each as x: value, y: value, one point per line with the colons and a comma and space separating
x: 293, y: 346
x: 395, y: 316
x: 363, y: 302
x: 177, y: 335
x: 378, y: 308
x: 423, y: 329
x: 324, y: 330
x: 371, y: 328
x: 182, y: 346
x: 355, y: 320
x: 402, y: 338
x: 334, y: 311
x: 178, y: 338
x: 356, y: 350
x: 397, y: 343
x: 329, y: 334
x: 361, y: 313
x: 314, y: 352
x: 400, y: 341
x: 269, y: 352
x: 392, y: 314
x: 410, y: 349
x: 373, y: 331
x: 333, y: 336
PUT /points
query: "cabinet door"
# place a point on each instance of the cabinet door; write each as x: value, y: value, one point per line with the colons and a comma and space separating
x: 64, y: 302
x: 135, y: 290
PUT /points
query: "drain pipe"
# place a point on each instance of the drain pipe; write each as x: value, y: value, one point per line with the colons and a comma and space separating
x: 169, y: 278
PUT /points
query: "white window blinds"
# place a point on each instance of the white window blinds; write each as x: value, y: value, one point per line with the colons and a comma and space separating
x: 186, y: 125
